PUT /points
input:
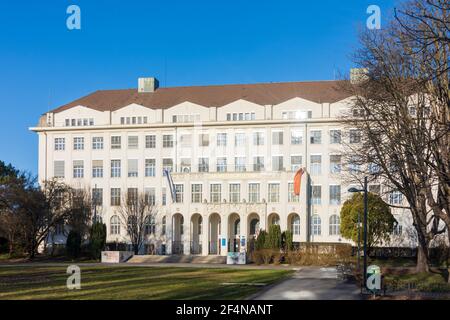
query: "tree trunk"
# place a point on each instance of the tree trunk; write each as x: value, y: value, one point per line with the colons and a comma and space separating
x: 422, y: 259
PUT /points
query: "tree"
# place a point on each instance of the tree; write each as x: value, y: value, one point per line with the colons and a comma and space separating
x: 136, y: 214
x: 380, y: 220
x: 287, y: 239
x: 261, y: 240
x: 273, y: 240
x: 73, y: 244
x: 97, y: 239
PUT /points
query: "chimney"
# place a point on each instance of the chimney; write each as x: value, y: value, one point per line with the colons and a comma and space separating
x: 147, y: 84
x: 358, y: 75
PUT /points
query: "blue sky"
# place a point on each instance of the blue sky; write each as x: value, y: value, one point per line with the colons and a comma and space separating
x: 44, y: 65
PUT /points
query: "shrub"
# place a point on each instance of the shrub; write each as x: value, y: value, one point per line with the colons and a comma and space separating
x: 97, y: 239
x: 261, y: 240
x: 73, y: 244
x: 273, y: 240
x: 287, y: 240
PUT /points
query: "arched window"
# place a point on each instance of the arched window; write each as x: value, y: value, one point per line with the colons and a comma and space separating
x: 163, y: 227
x: 200, y: 225
x: 335, y: 224
x: 150, y: 225
x: 115, y: 225
x: 295, y: 225
x: 254, y: 226
x: 275, y: 220
x: 181, y: 225
x: 237, y: 227
x: 316, y: 225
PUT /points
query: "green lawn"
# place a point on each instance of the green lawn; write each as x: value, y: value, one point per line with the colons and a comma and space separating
x: 116, y: 282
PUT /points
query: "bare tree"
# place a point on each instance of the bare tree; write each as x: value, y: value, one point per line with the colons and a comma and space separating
x: 136, y: 214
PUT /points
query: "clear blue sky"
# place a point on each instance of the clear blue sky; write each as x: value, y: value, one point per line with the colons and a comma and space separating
x: 198, y: 42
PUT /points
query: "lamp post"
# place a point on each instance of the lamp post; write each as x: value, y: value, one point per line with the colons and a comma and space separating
x: 365, y: 225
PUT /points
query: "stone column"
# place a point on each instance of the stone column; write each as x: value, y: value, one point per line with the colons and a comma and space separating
x: 224, y: 234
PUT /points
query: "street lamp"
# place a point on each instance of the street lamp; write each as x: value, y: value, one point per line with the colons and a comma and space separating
x: 365, y: 225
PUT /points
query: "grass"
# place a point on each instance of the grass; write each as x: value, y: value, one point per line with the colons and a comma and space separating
x: 426, y: 282
x: 118, y: 282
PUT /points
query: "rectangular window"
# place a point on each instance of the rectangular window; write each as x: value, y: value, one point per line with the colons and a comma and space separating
x: 239, y: 164
x: 335, y: 163
x: 97, y: 196
x: 133, y: 142
x: 277, y: 137
x: 116, y: 142
x: 291, y: 195
x: 222, y: 164
x: 132, y: 195
x: 316, y: 194
x: 179, y: 189
x: 97, y: 169
x: 215, y: 193
x: 335, y: 195
x: 196, y: 196
x: 335, y: 136
x: 274, y: 192
x: 203, y: 140
x: 316, y: 164
x: 97, y: 143
x: 150, y: 141
x: 58, y: 169
x: 221, y: 139
x: 115, y: 168
x: 115, y: 196
x: 258, y: 138
x: 168, y: 164
x: 163, y: 196
x: 60, y: 144
x: 78, y: 169
x: 375, y: 188
x: 316, y: 137
x: 253, y: 192
x: 203, y: 165
x: 150, y: 196
x: 355, y: 136
x: 277, y: 163
x: 133, y: 168
x: 296, y: 137
x: 235, y: 192
x: 296, y: 163
x: 395, y: 198
x: 185, y: 165
x: 150, y: 165
x: 353, y: 165
x: 239, y: 139
x: 185, y: 140
x: 167, y: 141
x: 78, y: 143
x: 258, y: 163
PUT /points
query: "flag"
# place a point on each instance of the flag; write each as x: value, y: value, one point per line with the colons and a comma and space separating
x: 173, y: 191
x: 297, y: 181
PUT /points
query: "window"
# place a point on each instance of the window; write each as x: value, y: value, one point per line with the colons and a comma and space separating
x: 163, y: 196
x: 78, y: 143
x: 78, y: 169
x: 296, y: 137
x: 316, y: 195
x: 221, y: 139
x: 163, y: 227
x: 196, y: 196
x: 258, y: 138
x: 398, y: 229
x: 116, y: 142
x: 133, y: 142
x: 215, y: 193
x: 296, y: 115
x: 132, y: 196
x: 292, y: 197
x: 335, y: 225
x: 150, y: 167
x: 355, y: 136
x: 132, y: 168
x: 335, y: 163
x: 258, y: 163
x: 316, y: 164
x: 58, y: 169
x: 186, y: 140
x: 150, y: 142
x: 274, y: 192
x: 115, y: 196
x: 60, y: 144
x: 374, y: 168
x: 222, y: 164
x: 235, y: 192
x: 316, y: 225
x: 335, y: 195
x: 203, y: 165
x: 150, y: 196
x: 335, y: 136
x: 149, y: 225
x: 115, y: 225
x: 296, y: 162
x: 204, y: 140
x: 168, y: 164
x: 97, y: 196
x: 253, y: 192
x: 277, y: 137
x: 295, y: 225
x: 316, y: 137
x: 97, y: 143
x: 167, y: 141
x: 277, y: 163
x: 97, y: 169
x: 239, y: 164
x: 375, y: 188
x: 186, y: 165
x: 179, y: 190
x: 353, y: 165
x: 241, y: 116
x: 395, y: 197
x: 115, y: 168
x: 239, y: 139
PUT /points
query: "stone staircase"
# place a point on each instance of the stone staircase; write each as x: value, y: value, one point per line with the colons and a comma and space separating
x: 178, y: 259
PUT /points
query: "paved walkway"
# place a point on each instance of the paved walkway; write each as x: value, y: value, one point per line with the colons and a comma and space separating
x: 311, y: 283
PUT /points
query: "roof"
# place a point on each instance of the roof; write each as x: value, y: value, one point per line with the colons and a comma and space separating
x: 213, y: 96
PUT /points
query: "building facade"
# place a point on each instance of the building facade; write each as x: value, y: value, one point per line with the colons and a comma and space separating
x: 232, y: 152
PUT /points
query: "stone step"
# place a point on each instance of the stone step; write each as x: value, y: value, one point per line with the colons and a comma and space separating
x: 178, y: 259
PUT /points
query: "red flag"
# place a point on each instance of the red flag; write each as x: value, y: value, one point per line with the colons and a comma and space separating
x: 297, y: 181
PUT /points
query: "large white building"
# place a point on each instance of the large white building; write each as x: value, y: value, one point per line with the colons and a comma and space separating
x: 232, y: 149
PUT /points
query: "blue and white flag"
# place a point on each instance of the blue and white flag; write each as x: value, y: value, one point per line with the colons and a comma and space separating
x: 173, y: 191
